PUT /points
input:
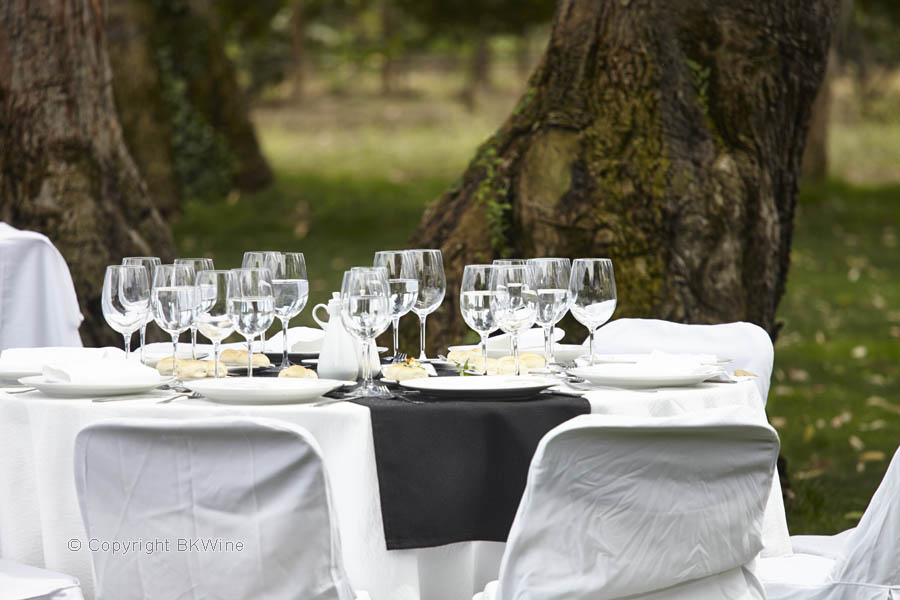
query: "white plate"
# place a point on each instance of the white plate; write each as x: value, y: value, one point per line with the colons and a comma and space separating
x: 64, y: 389
x: 263, y: 390
x: 500, y: 352
x: 566, y: 352
x: 505, y: 387
x: 626, y: 375
x: 11, y: 374
x: 633, y: 358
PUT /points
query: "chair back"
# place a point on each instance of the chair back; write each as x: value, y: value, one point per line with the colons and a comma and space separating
x: 225, y: 508
x: 618, y: 507
x: 747, y: 345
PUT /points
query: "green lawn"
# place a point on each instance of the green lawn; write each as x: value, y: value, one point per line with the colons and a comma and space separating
x: 354, y: 179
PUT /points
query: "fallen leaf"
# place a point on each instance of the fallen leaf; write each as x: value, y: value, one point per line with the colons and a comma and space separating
x: 853, y: 515
x: 873, y: 425
x: 820, y: 337
x: 859, y: 352
x: 808, y: 432
x: 811, y: 474
x: 778, y: 422
x: 882, y: 403
x: 856, y: 443
x: 871, y: 456
x: 798, y: 375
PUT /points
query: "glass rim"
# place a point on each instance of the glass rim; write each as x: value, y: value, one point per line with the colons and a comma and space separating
x: 548, y: 259
x: 589, y: 260
x: 185, y: 259
x: 108, y: 267
x: 141, y: 258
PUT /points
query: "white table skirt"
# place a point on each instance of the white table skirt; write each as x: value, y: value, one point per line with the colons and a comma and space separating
x: 39, y: 508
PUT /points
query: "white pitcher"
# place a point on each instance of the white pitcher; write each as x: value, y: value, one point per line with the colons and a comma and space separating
x: 338, y: 356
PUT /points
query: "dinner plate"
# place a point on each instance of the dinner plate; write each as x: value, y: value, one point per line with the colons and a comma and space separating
x: 498, y: 387
x: 294, y: 357
x: 11, y: 374
x: 566, y: 352
x: 627, y: 375
x: 633, y: 358
x: 263, y: 390
x: 65, y: 389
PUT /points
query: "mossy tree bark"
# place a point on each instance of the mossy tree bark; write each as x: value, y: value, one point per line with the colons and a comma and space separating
x: 64, y: 167
x: 664, y: 134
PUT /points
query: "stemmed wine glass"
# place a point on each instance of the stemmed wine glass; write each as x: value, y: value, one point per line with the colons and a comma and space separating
x: 290, y: 287
x: 251, y: 305
x: 429, y: 270
x: 174, y: 301
x: 506, y: 262
x: 126, y: 300
x: 149, y: 263
x: 551, y: 282
x: 513, y: 302
x: 198, y: 264
x: 592, y: 293
x: 404, y: 287
x: 475, y: 304
x: 365, y: 313
x: 256, y: 259
x: 214, y: 319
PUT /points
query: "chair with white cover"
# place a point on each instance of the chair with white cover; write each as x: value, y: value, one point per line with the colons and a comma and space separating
x: 862, y: 563
x: 253, y: 491
x: 747, y: 345
x: 38, y: 305
x: 22, y: 582
x: 651, y: 508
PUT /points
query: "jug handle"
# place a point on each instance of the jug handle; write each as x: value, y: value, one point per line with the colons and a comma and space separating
x: 316, y: 318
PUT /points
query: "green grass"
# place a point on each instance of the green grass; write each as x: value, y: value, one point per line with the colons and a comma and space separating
x: 353, y: 176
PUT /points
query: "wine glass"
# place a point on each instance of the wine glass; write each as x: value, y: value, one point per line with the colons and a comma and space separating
x: 429, y: 270
x: 513, y: 302
x: 198, y: 264
x: 366, y: 312
x: 551, y: 282
x: 150, y: 263
x: 290, y: 287
x: 256, y: 259
x: 251, y: 305
x: 126, y: 299
x: 506, y: 262
x: 404, y: 287
x: 174, y: 301
x: 475, y: 304
x: 592, y: 293
x: 213, y: 318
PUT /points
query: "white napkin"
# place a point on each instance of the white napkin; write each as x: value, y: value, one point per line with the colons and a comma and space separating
x: 531, y: 338
x: 300, y: 339
x: 658, y: 362
x: 32, y: 359
x: 99, y: 371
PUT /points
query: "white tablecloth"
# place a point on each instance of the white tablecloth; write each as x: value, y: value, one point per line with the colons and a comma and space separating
x: 39, y: 509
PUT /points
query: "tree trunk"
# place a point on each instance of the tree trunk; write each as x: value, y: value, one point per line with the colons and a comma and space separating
x: 64, y: 168
x: 298, y: 44
x: 388, y: 66
x: 664, y: 134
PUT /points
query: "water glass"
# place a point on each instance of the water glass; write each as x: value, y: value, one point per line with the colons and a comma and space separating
x: 213, y: 317
x: 256, y: 259
x: 150, y: 263
x: 551, y: 282
x: 508, y: 262
x: 174, y: 301
x: 251, y: 304
x: 513, y: 302
x: 126, y: 299
x: 428, y: 266
x: 198, y: 264
x: 290, y: 287
x: 404, y: 287
x: 592, y: 294
x: 365, y: 313
x: 475, y: 304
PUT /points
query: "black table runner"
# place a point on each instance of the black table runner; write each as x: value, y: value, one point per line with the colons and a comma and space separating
x: 454, y: 471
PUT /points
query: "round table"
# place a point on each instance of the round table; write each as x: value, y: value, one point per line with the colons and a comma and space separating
x: 39, y: 514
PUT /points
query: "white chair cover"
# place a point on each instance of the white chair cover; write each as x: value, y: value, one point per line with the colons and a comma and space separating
x: 867, y: 565
x: 747, y: 345
x: 38, y: 306
x: 22, y: 582
x: 260, y: 482
x: 620, y: 507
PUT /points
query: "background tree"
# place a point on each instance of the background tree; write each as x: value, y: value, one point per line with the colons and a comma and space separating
x: 665, y: 135
x: 64, y: 167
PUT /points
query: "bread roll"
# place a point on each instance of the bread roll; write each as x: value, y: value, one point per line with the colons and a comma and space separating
x: 403, y: 372
x: 190, y: 369
x: 299, y: 372
x: 238, y: 358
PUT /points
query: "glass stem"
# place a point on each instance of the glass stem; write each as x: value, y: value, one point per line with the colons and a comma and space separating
x: 194, y: 342
x: 396, y: 339
x: 175, y: 356
x: 365, y: 367
x: 422, y: 356
x: 250, y: 357
x: 285, y: 363
x: 548, y: 344
x: 262, y: 341
x: 514, y: 341
x: 483, y: 346
x: 143, y: 340
x: 591, y: 344
x: 216, y: 359
x: 127, y: 337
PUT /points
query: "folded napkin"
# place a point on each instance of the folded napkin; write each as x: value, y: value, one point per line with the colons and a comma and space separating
x: 665, y: 362
x: 99, y: 371
x: 531, y: 338
x: 300, y: 339
x: 32, y: 359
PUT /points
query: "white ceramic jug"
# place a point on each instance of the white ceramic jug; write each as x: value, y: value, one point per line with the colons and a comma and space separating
x: 338, y: 356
